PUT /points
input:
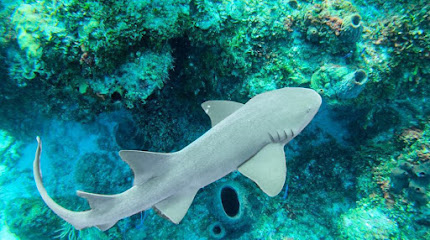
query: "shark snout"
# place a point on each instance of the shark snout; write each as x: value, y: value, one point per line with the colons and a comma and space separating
x: 314, y: 102
x: 311, y: 102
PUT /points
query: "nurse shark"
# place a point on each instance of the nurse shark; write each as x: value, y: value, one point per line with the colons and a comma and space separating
x: 247, y: 137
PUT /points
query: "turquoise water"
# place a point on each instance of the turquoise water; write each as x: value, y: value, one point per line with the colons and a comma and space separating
x: 92, y: 78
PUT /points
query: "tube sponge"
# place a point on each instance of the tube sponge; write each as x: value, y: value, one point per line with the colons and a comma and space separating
x: 312, y: 34
x: 216, y: 230
x: 335, y: 82
x: 351, y: 28
x: 231, y: 207
x: 417, y: 193
x: 399, y: 180
x: 415, y: 178
x: 351, y: 85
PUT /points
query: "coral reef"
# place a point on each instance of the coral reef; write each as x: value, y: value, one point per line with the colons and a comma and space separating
x: 9, y: 148
x: 406, y: 35
x: 334, y: 24
x: 35, y: 219
x: 145, y: 66
x: 398, y: 181
x: 134, y: 81
x: 367, y: 224
x: 56, y: 40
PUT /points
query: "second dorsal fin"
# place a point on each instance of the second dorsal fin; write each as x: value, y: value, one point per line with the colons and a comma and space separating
x: 146, y: 165
x: 97, y: 201
x: 217, y: 110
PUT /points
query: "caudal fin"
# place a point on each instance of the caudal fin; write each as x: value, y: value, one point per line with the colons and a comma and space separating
x: 69, y: 216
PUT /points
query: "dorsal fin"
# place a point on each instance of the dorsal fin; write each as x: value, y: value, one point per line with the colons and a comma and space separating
x: 217, y: 110
x: 145, y: 165
x: 97, y: 201
x: 176, y: 206
x: 267, y: 169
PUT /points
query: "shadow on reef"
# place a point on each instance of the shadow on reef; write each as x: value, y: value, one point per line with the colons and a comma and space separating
x: 127, y: 135
x: 102, y: 173
x: 366, y: 123
x: 330, y: 162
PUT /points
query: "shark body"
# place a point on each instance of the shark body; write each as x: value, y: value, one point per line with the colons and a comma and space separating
x: 247, y: 137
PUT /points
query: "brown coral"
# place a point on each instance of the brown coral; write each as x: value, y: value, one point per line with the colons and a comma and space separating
x: 410, y: 135
x: 335, y: 23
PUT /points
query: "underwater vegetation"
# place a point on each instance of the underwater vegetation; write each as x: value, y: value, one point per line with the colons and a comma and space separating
x: 141, y: 69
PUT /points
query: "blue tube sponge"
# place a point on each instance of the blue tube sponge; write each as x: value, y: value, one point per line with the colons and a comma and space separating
x: 217, y: 230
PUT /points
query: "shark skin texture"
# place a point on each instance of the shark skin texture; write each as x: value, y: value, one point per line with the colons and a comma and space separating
x: 247, y: 137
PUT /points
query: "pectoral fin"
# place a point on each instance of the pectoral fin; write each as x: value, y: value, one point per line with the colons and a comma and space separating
x: 175, y: 207
x: 218, y: 110
x: 267, y: 169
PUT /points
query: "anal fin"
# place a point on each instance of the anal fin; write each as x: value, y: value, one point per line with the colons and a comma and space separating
x: 106, y: 226
x: 175, y: 207
x: 267, y: 169
x: 99, y: 202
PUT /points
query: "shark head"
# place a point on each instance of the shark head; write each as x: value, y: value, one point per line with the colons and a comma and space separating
x: 289, y: 110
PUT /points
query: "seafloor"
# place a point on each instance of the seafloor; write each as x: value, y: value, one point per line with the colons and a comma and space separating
x: 94, y: 77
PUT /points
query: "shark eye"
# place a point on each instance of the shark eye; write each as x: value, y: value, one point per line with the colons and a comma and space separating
x: 308, y: 110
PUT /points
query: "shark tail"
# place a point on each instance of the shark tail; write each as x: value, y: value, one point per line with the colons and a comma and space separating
x: 68, y: 215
